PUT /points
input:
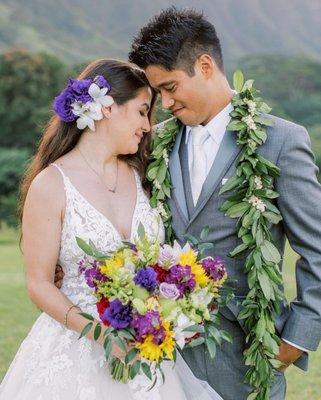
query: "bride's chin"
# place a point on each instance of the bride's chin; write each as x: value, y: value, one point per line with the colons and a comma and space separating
x: 133, y: 150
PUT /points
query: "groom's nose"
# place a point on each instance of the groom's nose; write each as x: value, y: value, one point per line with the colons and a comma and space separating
x: 167, y: 101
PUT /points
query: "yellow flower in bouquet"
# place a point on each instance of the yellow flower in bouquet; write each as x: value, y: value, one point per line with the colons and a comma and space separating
x: 190, y: 258
x: 112, y: 264
x: 152, y: 351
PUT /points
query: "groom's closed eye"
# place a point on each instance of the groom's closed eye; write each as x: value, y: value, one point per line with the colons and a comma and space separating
x: 171, y: 88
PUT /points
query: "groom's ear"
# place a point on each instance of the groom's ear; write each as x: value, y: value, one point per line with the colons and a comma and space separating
x: 206, y: 65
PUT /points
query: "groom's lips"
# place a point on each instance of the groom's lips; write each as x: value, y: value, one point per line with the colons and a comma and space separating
x: 178, y: 111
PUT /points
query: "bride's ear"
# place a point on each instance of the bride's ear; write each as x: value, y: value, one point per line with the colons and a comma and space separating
x: 106, y: 111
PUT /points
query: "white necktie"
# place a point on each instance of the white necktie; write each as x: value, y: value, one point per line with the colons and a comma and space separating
x: 198, y: 169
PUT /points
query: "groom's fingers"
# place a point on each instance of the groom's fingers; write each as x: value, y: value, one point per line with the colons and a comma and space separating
x: 59, y: 274
x: 287, y: 355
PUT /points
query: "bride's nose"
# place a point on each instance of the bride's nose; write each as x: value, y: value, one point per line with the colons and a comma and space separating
x: 146, y: 127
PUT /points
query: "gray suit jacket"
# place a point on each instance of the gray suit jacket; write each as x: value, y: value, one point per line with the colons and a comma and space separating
x: 288, y: 146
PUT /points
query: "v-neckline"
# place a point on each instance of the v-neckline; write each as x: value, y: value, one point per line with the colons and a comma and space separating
x: 104, y: 216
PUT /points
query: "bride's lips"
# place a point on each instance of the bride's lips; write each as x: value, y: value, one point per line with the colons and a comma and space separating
x: 178, y: 111
x: 139, y: 136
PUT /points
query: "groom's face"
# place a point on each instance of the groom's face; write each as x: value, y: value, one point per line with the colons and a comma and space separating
x: 184, y: 95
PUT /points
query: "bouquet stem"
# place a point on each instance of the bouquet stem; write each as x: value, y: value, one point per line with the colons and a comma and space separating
x: 120, y: 371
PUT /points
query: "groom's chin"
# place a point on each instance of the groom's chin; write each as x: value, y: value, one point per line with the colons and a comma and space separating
x: 187, y: 121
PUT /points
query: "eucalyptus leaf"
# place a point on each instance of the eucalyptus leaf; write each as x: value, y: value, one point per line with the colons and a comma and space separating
x: 87, y: 316
x: 86, y: 330
x: 141, y: 230
x: 86, y: 248
x: 196, y: 342
x: 97, y: 331
x: 134, y: 369
x: 130, y: 355
x: 211, y: 347
x: 194, y: 328
x: 146, y: 370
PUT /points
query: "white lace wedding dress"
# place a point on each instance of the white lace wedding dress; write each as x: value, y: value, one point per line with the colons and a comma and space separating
x: 52, y: 363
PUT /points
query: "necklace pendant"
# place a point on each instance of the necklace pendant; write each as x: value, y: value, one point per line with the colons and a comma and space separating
x: 112, y: 190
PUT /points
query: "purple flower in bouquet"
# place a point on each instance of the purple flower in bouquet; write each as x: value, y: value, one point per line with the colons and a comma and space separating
x: 150, y: 323
x: 182, y: 277
x: 169, y: 290
x: 167, y: 256
x: 146, y: 278
x: 118, y: 315
x: 92, y: 274
x: 81, y: 265
x: 214, y: 267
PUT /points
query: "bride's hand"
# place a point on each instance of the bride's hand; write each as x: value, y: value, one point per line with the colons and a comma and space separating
x: 115, y: 351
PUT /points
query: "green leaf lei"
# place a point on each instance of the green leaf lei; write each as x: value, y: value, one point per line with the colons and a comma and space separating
x: 251, y: 204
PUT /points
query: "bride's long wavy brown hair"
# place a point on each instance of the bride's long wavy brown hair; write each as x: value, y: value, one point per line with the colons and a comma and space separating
x: 60, y: 137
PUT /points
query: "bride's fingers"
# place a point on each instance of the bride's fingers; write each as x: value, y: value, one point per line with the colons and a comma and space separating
x: 117, y: 352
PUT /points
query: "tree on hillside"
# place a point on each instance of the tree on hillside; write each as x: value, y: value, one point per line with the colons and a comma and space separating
x: 13, y: 163
x: 28, y: 84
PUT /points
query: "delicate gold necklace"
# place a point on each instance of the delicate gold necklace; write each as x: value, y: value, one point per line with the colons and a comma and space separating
x: 96, y: 173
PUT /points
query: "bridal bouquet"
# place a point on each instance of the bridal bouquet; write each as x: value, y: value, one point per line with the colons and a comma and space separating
x: 154, y: 299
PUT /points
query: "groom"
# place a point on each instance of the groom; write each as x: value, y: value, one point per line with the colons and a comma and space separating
x: 181, y: 55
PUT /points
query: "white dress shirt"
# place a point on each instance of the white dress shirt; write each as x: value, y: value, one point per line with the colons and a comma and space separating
x: 216, y: 128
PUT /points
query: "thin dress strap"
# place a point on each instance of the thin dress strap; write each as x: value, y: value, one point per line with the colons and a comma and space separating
x: 64, y: 177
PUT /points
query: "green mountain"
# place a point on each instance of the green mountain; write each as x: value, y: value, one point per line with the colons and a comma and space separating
x: 80, y: 29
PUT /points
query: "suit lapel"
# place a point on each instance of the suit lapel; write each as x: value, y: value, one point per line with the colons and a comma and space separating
x: 178, y: 193
x: 226, y: 154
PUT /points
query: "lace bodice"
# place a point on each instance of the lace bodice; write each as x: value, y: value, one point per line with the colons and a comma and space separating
x: 82, y: 219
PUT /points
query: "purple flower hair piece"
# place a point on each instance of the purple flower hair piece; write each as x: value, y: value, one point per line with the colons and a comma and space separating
x: 77, y: 91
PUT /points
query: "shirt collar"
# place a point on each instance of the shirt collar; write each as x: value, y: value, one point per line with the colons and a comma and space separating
x: 216, y: 127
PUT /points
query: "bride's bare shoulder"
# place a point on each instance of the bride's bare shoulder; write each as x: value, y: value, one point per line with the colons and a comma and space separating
x: 47, y: 189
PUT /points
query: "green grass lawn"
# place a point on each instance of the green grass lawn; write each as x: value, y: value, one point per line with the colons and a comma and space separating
x: 17, y: 314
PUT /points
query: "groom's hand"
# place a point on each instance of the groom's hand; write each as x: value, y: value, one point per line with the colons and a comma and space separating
x: 287, y: 355
x: 59, y: 274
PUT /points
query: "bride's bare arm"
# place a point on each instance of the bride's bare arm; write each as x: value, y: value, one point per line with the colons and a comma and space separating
x: 41, y: 228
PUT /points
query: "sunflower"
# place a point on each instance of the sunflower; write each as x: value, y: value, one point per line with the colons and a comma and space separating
x: 190, y: 258
x: 152, y: 351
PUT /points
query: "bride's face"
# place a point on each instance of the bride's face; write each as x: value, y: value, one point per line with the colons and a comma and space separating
x: 128, y: 123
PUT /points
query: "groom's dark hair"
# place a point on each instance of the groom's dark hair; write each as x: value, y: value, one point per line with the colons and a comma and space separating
x: 174, y: 39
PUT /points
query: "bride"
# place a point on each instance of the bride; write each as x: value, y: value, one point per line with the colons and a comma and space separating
x: 86, y: 180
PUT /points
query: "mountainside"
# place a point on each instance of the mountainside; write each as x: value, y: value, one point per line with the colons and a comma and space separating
x: 80, y: 29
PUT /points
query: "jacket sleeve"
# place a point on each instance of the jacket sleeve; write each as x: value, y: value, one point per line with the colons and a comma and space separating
x: 300, y: 206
